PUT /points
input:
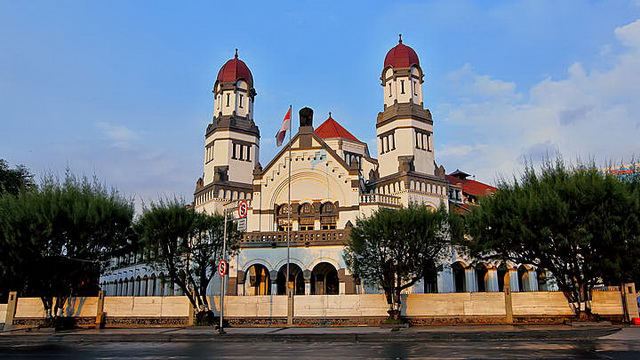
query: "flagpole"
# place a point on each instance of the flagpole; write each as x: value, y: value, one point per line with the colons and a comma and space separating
x: 288, y: 290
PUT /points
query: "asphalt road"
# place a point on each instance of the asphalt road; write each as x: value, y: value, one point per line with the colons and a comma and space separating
x: 595, y: 349
x: 466, y: 342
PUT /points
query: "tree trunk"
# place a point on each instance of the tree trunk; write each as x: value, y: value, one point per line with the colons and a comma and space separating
x: 47, y: 303
x: 397, y: 300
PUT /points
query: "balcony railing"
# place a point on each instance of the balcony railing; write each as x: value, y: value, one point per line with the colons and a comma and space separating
x: 298, y: 238
x: 379, y: 199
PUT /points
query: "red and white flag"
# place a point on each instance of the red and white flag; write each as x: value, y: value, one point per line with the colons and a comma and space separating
x: 286, y: 126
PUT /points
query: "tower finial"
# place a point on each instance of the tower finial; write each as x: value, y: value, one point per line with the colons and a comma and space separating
x: 329, y: 114
x: 237, y: 53
x: 400, y: 39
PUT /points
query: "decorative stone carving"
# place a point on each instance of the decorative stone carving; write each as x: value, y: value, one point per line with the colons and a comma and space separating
x: 221, y: 173
x: 306, y: 116
x: 405, y: 164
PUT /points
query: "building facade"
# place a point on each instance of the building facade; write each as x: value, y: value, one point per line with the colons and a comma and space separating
x: 331, y: 179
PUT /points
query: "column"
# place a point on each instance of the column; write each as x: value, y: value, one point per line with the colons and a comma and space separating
x: 445, y: 279
x: 11, y: 310
x: 532, y: 278
x: 492, y: 279
x: 241, y: 280
x: 159, y: 289
x: 513, y: 280
x: 307, y: 282
x: 470, y: 280
x: 273, y: 277
x: 342, y: 282
x: 150, y: 286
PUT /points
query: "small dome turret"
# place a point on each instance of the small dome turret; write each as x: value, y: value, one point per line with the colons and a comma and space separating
x: 401, y: 56
x: 234, y: 70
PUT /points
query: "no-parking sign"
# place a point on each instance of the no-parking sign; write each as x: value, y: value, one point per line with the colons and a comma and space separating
x: 243, y: 208
x: 222, y: 267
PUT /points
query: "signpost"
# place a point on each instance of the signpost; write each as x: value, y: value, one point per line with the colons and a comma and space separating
x: 223, y: 265
x: 242, y: 224
x: 243, y: 208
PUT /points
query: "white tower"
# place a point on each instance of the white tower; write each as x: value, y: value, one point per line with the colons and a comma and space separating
x: 405, y: 127
x: 232, y: 140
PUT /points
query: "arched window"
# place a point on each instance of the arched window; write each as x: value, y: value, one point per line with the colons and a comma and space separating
x: 328, y: 216
x: 306, y: 218
x: 282, y: 217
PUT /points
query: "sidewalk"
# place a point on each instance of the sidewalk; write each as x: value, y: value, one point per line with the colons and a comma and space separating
x: 325, y: 334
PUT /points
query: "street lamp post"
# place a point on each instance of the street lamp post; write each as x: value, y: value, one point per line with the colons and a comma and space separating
x: 224, y: 276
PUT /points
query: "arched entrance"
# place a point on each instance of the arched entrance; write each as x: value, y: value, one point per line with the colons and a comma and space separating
x: 482, y: 277
x: 523, y: 278
x: 430, y: 278
x: 258, y: 280
x: 324, y: 280
x: 459, y: 277
x: 295, y: 277
x: 502, y: 276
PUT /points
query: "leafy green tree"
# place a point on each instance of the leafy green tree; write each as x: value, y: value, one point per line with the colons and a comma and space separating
x: 13, y: 180
x: 581, y: 225
x: 55, y: 237
x: 187, y: 244
x: 392, y: 249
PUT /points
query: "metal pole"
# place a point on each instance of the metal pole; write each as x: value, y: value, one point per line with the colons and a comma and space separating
x: 288, y: 291
x: 222, y: 290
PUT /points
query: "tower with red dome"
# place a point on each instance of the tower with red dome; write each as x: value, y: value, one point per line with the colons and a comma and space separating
x: 404, y: 127
x: 232, y: 140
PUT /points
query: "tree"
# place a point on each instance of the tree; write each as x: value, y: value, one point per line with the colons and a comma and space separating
x: 55, y: 237
x: 186, y: 243
x: 14, y: 180
x: 392, y: 249
x: 581, y: 225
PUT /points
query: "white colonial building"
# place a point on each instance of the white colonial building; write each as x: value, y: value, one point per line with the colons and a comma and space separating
x: 332, y: 179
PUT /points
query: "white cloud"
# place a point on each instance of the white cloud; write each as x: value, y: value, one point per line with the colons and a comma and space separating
x: 468, y: 83
x: 121, y: 137
x: 459, y: 150
x: 590, y: 113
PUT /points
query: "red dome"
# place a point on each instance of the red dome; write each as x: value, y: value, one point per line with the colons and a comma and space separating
x: 234, y: 70
x: 401, y: 56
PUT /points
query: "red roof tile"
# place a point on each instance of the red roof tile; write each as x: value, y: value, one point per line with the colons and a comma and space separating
x: 471, y: 186
x: 331, y: 129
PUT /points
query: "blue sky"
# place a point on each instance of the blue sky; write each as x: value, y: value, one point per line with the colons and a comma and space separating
x: 122, y: 89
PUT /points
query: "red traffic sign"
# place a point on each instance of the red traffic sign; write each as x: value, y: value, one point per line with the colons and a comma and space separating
x: 243, y: 208
x: 223, y: 266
